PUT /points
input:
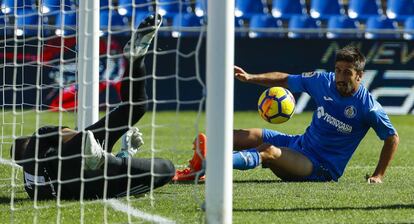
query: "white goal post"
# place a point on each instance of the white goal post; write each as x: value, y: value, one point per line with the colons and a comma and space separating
x: 88, y: 64
x: 219, y: 109
x: 46, y: 68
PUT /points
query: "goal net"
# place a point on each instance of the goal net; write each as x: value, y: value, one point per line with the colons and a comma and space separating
x: 40, y: 82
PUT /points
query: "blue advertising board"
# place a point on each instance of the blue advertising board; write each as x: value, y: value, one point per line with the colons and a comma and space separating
x: 179, y: 71
x: 389, y: 73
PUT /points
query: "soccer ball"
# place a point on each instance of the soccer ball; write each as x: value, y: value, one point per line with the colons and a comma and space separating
x: 276, y: 105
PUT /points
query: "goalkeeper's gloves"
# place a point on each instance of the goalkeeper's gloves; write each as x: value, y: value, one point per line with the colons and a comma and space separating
x: 132, y: 140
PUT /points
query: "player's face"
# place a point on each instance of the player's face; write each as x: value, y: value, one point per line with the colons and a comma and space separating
x: 347, y: 78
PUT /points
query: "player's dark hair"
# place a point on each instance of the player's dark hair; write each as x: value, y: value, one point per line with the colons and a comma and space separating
x: 19, y: 147
x: 352, y: 55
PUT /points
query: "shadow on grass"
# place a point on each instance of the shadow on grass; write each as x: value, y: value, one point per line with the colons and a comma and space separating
x: 257, y: 181
x: 368, y: 208
x: 6, y: 200
x: 191, y: 182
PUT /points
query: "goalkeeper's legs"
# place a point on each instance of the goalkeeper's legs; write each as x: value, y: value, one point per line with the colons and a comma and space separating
x: 133, y: 94
x: 142, y: 178
x: 111, y: 127
x: 133, y: 106
x: 133, y: 175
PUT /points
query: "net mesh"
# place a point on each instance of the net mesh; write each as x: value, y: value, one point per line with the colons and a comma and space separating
x: 39, y: 87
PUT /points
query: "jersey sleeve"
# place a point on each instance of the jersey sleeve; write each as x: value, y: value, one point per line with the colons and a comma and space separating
x: 304, y: 82
x: 380, y: 122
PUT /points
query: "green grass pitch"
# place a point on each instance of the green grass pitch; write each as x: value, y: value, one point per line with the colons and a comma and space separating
x: 258, y: 196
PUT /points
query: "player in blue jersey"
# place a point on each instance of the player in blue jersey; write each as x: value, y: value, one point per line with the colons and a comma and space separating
x: 345, y: 112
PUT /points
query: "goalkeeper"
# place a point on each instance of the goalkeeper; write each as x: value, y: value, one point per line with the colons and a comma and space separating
x: 60, y: 162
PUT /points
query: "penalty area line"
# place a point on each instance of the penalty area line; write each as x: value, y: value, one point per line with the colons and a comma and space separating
x: 119, y: 206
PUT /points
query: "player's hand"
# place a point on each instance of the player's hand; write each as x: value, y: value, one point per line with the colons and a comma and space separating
x: 240, y: 74
x: 132, y: 139
x: 136, y: 139
x: 373, y: 179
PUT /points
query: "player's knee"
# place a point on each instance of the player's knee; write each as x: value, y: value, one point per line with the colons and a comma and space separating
x: 164, y: 170
x: 269, y: 152
x: 166, y: 166
x: 246, y: 138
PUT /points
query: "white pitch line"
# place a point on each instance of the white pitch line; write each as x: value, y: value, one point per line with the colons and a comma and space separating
x: 117, y: 205
x: 8, y: 162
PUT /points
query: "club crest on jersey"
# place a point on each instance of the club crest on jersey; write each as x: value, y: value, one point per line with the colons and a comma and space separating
x: 350, y: 112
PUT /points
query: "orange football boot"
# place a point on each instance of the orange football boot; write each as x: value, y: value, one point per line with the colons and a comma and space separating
x: 195, y: 167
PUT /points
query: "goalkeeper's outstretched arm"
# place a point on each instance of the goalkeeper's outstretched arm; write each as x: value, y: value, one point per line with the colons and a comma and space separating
x: 269, y: 79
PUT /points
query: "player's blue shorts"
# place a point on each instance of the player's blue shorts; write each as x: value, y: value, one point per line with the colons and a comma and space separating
x: 278, y: 139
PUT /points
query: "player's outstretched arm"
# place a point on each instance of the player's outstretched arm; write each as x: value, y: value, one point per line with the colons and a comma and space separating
x: 269, y: 79
x: 387, y: 153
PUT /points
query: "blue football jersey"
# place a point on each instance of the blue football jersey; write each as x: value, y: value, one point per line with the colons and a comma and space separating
x: 339, y: 123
